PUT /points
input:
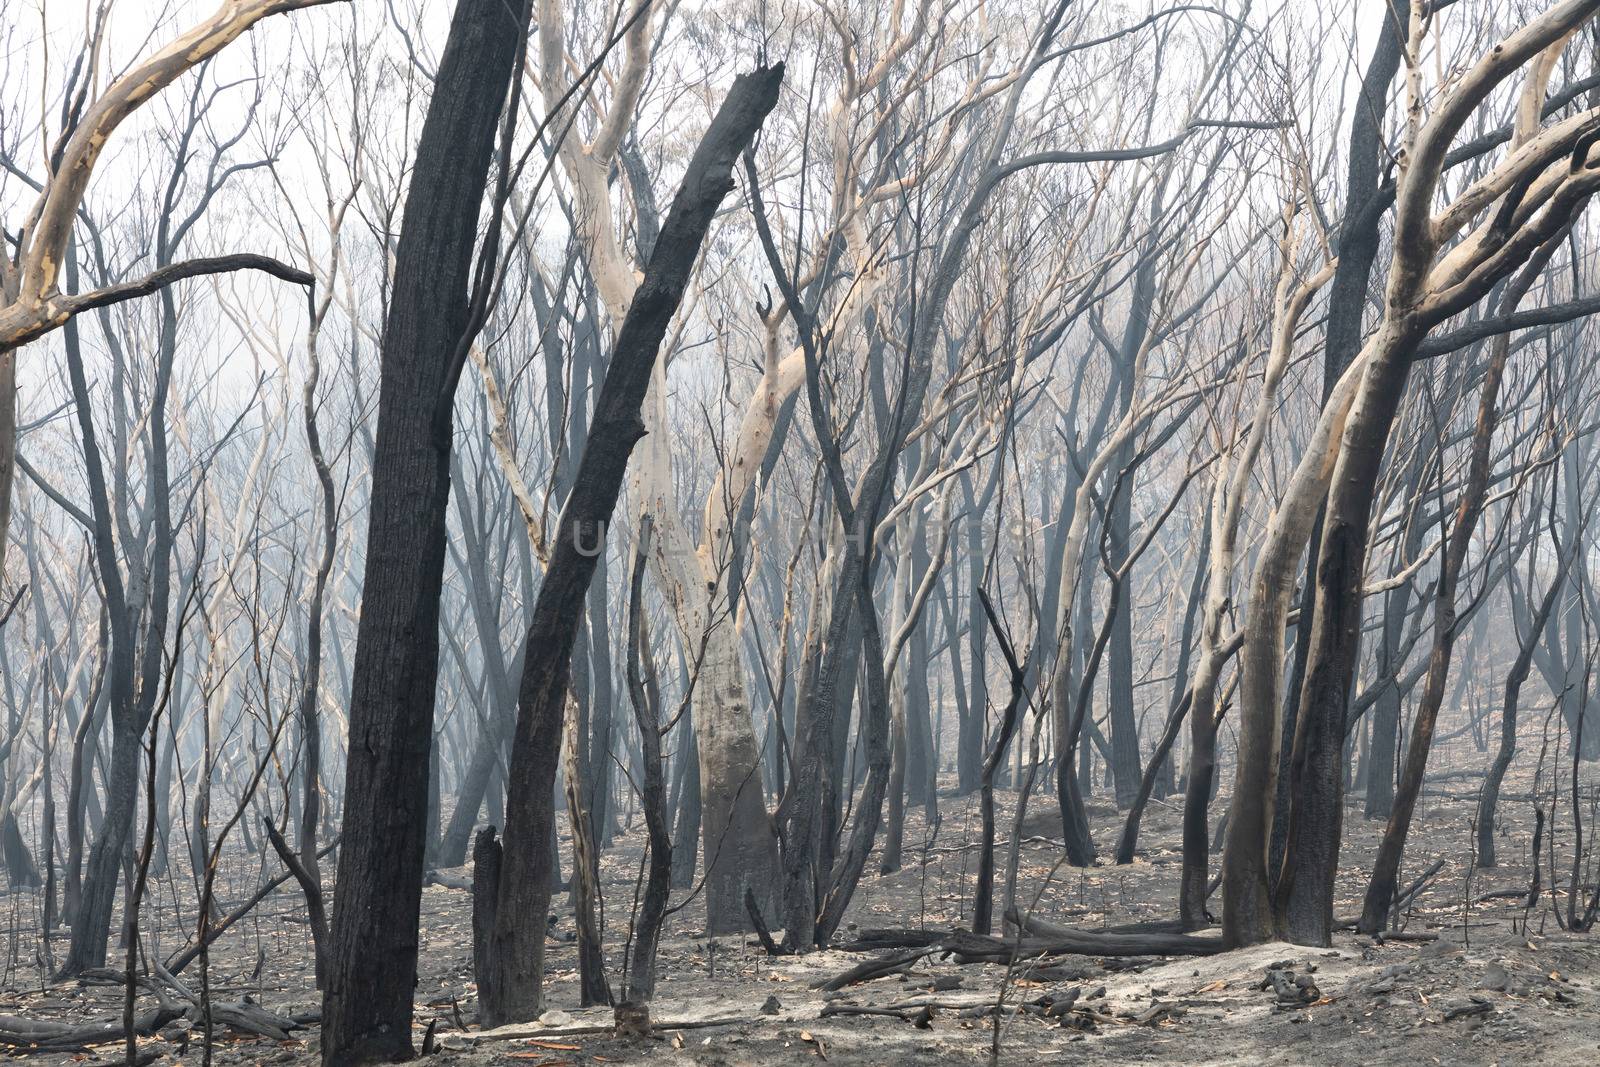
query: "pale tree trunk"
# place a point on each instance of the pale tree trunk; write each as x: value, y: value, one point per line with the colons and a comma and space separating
x: 1345, y: 449
x: 739, y: 846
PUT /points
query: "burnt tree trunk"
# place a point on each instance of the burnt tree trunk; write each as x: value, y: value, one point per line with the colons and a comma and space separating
x: 1364, y: 206
x: 509, y: 987
x: 644, y: 694
x: 983, y: 898
x: 1489, y: 798
x: 1304, y: 894
x: 367, y: 1005
x: 1382, y: 887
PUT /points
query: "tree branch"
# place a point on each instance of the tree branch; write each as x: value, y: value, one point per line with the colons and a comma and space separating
x: 177, y: 272
x: 1518, y: 320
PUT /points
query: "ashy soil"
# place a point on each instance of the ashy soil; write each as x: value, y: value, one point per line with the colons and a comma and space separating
x: 1480, y: 979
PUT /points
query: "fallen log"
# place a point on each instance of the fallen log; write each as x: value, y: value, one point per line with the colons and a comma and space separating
x: 898, y: 963
x: 19, y: 1032
x: 967, y: 947
x: 1043, y: 939
x: 447, y: 880
x: 1063, y: 940
x: 872, y: 940
x: 921, y: 1017
x: 1500, y: 894
x: 536, y: 1032
x: 245, y: 1017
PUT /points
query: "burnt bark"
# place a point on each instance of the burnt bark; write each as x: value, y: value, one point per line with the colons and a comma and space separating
x: 1386, y: 867
x: 1303, y: 901
x: 367, y: 1005
x: 983, y: 898
x: 1347, y: 302
x: 510, y: 986
x: 643, y: 692
x: 1489, y: 798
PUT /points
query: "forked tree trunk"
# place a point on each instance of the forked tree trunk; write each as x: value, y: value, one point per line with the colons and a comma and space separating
x: 1345, y: 451
x: 91, y: 921
x: 1304, y: 893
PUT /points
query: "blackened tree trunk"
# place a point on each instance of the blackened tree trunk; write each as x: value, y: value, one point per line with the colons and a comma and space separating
x: 1304, y: 893
x: 1161, y: 756
x: 634, y: 1011
x: 509, y: 988
x: 1124, y: 720
x: 367, y: 1005
x: 134, y: 672
x: 1489, y: 798
x: 1364, y: 205
x: 983, y: 898
x: 686, y: 817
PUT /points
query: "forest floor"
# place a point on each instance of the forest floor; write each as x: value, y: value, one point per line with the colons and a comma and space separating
x: 1497, y: 983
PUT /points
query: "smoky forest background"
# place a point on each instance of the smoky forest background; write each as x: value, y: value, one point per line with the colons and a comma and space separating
x: 755, y: 531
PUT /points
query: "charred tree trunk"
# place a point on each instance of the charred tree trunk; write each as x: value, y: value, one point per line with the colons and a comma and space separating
x: 643, y: 692
x: 1304, y: 892
x: 510, y: 986
x: 367, y: 1005
x: 134, y: 672
x: 1383, y: 885
x: 687, y: 825
x: 1123, y: 718
x: 1489, y: 798
x: 1249, y: 874
x: 983, y: 899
